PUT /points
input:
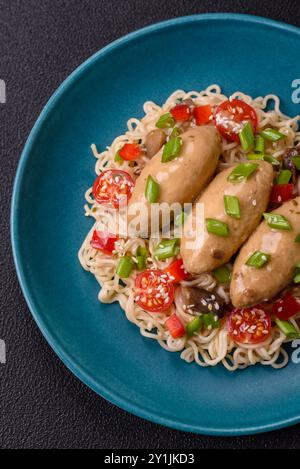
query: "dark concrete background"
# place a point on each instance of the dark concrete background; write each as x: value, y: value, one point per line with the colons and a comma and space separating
x: 41, y: 404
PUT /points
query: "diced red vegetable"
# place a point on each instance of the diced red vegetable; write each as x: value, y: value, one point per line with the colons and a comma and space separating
x: 113, y: 188
x: 130, y: 151
x: 154, y: 291
x: 249, y: 325
x: 175, y: 326
x: 281, y: 193
x: 231, y: 116
x: 203, y: 114
x: 176, y: 271
x: 103, y: 241
x: 181, y: 113
x: 286, y: 307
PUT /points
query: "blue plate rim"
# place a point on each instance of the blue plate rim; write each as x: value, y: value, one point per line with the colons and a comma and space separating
x: 70, y: 362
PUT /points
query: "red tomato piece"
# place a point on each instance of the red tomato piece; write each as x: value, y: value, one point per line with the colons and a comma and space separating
x: 282, y: 193
x: 176, y: 271
x: 175, y: 326
x: 231, y: 116
x: 130, y: 151
x: 154, y: 291
x: 286, y: 307
x: 103, y: 241
x: 181, y: 113
x: 113, y: 188
x: 203, y: 114
x: 249, y: 325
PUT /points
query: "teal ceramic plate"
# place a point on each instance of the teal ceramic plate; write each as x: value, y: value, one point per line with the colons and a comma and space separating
x: 95, y: 341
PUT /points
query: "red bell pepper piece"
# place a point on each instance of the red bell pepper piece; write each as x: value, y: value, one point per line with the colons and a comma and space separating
x: 181, y: 113
x: 176, y: 271
x: 286, y: 307
x: 103, y: 241
x: 203, y: 114
x: 175, y: 326
x: 282, y: 193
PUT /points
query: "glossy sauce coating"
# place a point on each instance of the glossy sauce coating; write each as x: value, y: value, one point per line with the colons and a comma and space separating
x: 253, y: 194
x: 251, y: 286
x: 182, y: 179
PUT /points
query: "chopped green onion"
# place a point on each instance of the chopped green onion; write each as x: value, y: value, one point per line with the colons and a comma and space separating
x: 232, y: 206
x: 142, y: 251
x: 247, y: 137
x: 166, y: 248
x: 165, y: 121
x: 297, y: 239
x: 125, y: 267
x: 297, y: 274
x: 259, y: 144
x: 296, y: 161
x: 217, y: 227
x: 141, y: 262
x: 288, y: 329
x: 270, y: 159
x: 258, y: 259
x: 171, y: 149
x: 180, y: 219
x: 284, y: 176
x: 272, y: 135
x: 297, y: 277
x: 277, y: 221
x: 242, y: 172
x: 118, y: 158
x: 175, y: 132
x: 141, y: 257
x: 260, y: 156
x: 210, y: 320
x: 193, y: 326
x: 255, y: 156
x: 222, y: 274
x: 152, y: 190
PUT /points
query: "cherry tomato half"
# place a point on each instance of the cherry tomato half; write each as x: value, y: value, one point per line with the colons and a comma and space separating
x: 175, y: 326
x: 130, y: 151
x: 249, y: 325
x: 154, y: 291
x: 176, y: 271
x: 286, y: 307
x: 181, y: 112
x: 231, y: 116
x: 103, y: 241
x: 113, y: 188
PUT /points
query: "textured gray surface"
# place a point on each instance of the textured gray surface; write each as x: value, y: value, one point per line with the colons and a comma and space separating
x: 41, y: 404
